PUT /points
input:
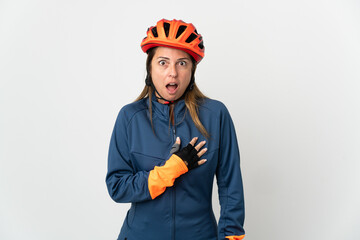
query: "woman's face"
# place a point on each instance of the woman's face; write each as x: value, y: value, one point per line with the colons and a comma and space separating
x: 170, y: 72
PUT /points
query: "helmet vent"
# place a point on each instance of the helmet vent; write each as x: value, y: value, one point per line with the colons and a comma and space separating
x: 174, y: 34
x: 201, y: 45
x: 166, y: 28
x: 154, y: 32
x: 191, y: 38
x: 182, y: 28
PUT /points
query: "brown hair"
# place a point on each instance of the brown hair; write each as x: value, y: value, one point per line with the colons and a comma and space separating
x: 192, y: 97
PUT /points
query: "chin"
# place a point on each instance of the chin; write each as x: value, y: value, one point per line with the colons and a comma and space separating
x: 172, y: 98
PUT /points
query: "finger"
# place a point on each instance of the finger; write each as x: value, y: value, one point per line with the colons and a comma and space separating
x: 178, y: 141
x: 200, y: 145
x: 202, y: 161
x: 193, y: 141
x: 202, y: 152
x: 175, y: 148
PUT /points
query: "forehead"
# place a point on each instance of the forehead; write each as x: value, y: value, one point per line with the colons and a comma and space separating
x: 171, y: 53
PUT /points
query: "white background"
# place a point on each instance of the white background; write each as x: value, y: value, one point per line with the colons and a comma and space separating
x: 288, y: 71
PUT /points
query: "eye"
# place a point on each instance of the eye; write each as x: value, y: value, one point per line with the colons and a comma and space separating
x: 182, y: 63
x: 162, y: 62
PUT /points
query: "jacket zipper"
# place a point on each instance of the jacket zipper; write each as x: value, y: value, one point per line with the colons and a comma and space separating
x: 173, y: 213
x: 174, y: 134
x: 173, y: 189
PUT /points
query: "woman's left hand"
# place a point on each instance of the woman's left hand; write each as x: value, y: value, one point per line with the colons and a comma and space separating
x: 190, y: 154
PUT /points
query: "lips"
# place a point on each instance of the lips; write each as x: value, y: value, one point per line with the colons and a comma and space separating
x: 171, y: 87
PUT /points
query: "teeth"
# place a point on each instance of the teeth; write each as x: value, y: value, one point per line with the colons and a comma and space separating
x: 172, y: 84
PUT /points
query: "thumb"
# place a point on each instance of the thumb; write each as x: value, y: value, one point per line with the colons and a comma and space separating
x: 176, y: 147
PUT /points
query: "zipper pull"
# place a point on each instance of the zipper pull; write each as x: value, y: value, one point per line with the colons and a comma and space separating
x: 174, y: 134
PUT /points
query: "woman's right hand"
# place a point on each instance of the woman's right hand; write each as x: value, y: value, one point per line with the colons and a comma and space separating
x: 190, y: 154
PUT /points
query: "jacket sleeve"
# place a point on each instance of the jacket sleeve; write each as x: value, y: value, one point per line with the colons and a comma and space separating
x: 229, y: 182
x: 126, y: 185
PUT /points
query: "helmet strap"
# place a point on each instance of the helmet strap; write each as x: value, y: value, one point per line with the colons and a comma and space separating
x: 168, y: 102
x: 148, y: 82
x: 191, y: 84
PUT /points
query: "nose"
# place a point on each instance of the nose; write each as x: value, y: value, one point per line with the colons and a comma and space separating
x: 172, y: 71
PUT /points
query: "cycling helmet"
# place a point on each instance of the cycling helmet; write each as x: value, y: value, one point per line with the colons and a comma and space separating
x: 175, y: 34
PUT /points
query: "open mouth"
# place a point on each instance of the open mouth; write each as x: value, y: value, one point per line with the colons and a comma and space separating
x: 171, y: 87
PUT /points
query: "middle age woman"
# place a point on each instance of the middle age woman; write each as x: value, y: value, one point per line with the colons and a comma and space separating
x: 170, y: 186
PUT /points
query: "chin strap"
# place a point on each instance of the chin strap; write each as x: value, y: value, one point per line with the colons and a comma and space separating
x: 148, y: 82
x: 168, y: 102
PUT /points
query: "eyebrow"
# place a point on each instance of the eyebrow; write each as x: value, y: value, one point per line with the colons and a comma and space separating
x: 185, y: 58
x: 164, y: 58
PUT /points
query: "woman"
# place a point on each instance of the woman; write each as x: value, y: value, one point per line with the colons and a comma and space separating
x: 170, y: 189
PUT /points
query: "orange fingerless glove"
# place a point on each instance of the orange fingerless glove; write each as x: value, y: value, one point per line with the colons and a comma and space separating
x: 162, y: 177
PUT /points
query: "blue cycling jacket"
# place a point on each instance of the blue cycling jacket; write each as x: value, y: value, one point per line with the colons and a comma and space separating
x: 183, y: 209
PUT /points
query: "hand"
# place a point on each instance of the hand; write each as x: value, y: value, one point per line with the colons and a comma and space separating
x: 190, y: 154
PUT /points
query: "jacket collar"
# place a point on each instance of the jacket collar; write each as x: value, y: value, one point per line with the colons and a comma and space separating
x: 162, y: 110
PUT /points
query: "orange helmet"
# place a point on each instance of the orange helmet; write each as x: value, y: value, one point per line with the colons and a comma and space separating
x: 175, y: 34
